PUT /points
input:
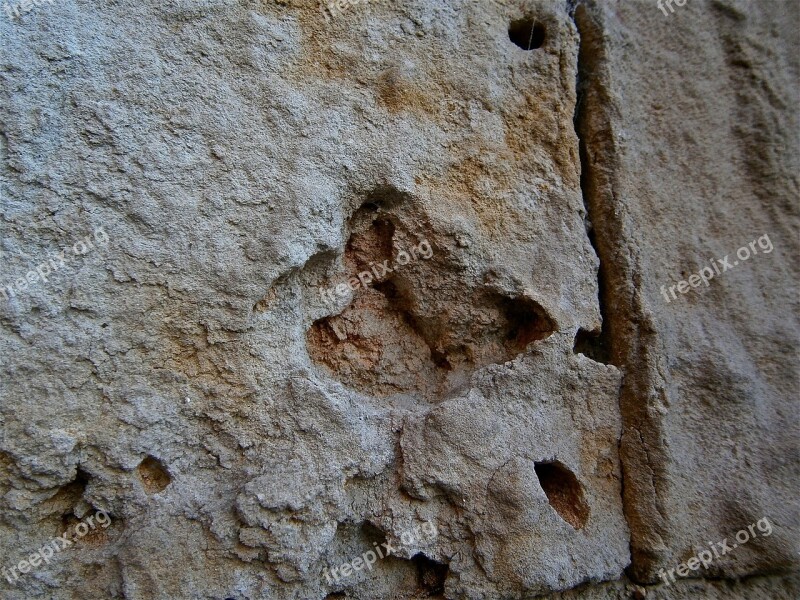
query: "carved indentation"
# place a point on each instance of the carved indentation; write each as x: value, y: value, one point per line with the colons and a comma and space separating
x: 431, y: 574
x: 564, y: 492
x: 67, y: 498
x: 370, y: 243
x: 416, y: 322
x: 591, y: 345
x: 527, y: 33
x: 373, y: 347
x: 525, y: 322
x: 154, y: 475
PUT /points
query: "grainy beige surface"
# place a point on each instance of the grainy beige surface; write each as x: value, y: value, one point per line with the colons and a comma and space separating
x: 286, y: 289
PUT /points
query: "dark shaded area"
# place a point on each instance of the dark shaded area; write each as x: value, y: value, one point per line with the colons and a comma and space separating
x: 527, y: 33
x: 526, y: 320
x: 432, y: 574
x: 564, y: 492
x: 591, y: 345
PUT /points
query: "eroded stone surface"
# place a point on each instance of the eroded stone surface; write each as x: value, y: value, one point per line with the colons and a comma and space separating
x: 682, y: 175
x: 249, y: 430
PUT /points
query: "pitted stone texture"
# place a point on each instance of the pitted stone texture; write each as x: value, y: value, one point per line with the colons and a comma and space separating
x: 168, y: 377
x: 777, y: 587
x: 476, y: 456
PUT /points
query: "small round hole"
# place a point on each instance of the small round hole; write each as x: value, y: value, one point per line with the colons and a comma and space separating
x: 527, y: 33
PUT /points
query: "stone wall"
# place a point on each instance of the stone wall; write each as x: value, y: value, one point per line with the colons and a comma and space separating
x: 466, y: 300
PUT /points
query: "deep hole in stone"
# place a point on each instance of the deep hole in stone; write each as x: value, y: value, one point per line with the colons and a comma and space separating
x: 432, y: 574
x: 388, y: 289
x: 80, y: 482
x: 527, y: 322
x: 527, y: 33
x: 564, y: 492
x: 154, y: 475
x: 440, y: 360
x: 372, y: 534
x: 591, y: 345
x: 70, y: 495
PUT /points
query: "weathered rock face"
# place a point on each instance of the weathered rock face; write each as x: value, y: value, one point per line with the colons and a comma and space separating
x: 366, y: 301
x: 698, y: 176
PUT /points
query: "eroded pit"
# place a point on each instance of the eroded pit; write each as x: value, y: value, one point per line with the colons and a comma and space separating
x: 153, y: 475
x: 431, y: 574
x: 414, y: 323
x: 527, y: 33
x: 564, y: 492
x: 592, y: 345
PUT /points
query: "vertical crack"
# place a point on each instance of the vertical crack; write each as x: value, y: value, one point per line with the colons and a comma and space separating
x: 627, y: 337
x: 594, y: 344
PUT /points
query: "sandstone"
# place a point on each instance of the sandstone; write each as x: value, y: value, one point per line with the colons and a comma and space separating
x: 399, y: 300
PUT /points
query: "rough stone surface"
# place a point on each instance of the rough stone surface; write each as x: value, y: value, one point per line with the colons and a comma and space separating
x: 286, y: 285
x: 682, y: 173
